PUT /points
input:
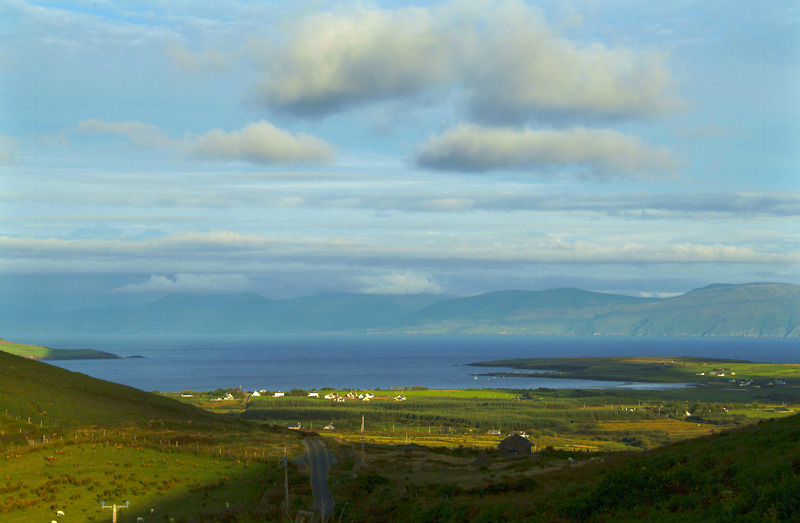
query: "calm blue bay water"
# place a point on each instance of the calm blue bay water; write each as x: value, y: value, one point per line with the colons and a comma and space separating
x: 173, y: 364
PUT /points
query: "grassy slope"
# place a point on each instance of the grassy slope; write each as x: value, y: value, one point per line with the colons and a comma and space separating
x: 38, y: 352
x: 108, y: 442
x: 749, y: 474
x: 56, y: 396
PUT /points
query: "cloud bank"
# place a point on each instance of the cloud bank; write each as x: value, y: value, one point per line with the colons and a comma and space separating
x: 220, y: 251
x: 188, y: 284
x: 400, y: 283
x: 602, y: 152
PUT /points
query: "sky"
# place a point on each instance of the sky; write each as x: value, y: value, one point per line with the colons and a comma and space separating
x: 458, y: 147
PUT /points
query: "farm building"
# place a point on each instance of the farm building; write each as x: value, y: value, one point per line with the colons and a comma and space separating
x: 515, y: 445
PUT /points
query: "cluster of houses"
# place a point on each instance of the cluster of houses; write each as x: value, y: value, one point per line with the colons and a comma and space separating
x: 333, y: 396
x: 721, y: 373
x: 226, y: 397
x: 718, y: 372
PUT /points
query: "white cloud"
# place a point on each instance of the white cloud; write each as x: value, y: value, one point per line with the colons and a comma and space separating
x: 332, y: 60
x: 189, y: 284
x: 8, y: 150
x: 262, y: 142
x: 644, y: 294
x: 197, y: 62
x: 515, y: 68
x: 604, y: 153
x: 400, y: 283
x: 138, y: 133
x: 259, y: 142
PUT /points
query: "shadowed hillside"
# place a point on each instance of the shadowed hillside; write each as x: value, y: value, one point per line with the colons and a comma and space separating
x: 758, y: 309
x: 60, y: 398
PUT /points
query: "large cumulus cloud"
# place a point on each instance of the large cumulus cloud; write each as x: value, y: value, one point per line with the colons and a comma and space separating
x: 501, y: 60
x: 330, y: 60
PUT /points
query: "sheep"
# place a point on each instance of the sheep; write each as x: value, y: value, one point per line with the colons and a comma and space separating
x: 140, y: 520
x: 59, y: 513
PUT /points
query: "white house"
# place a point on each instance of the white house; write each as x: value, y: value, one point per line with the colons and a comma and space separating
x: 278, y: 394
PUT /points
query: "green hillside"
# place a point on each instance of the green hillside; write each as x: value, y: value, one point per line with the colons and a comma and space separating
x: 38, y: 352
x: 71, y: 442
x: 749, y: 474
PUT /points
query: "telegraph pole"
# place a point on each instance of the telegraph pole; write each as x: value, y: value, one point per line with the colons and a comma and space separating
x: 286, y: 481
x: 114, y: 508
x: 363, y: 455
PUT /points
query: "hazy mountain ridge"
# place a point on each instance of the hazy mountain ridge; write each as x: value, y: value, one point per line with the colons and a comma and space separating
x: 756, y: 309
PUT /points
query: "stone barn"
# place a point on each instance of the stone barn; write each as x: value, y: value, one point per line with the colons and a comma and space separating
x: 515, y: 445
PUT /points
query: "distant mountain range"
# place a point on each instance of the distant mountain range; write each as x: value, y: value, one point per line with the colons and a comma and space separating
x: 755, y: 309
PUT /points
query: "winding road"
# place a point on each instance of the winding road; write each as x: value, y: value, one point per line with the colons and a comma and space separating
x: 319, y: 459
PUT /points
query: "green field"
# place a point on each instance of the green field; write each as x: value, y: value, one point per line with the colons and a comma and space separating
x: 663, y: 370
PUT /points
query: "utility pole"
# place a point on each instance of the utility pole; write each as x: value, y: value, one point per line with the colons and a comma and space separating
x: 363, y: 456
x: 114, y: 508
x: 286, y: 481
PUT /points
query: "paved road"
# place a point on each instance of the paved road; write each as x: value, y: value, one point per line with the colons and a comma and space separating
x: 320, y: 459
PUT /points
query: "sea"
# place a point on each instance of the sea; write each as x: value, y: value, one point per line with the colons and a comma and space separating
x: 367, y: 362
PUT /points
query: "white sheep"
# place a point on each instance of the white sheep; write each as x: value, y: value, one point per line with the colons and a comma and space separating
x: 140, y: 519
x: 59, y: 513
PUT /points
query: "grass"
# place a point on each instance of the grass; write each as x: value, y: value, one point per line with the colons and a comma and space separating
x: 749, y: 474
x: 564, y: 419
x: 77, y: 475
x: 654, y: 369
x: 69, y: 442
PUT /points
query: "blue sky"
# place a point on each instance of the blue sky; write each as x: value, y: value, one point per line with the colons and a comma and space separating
x: 290, y: 149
